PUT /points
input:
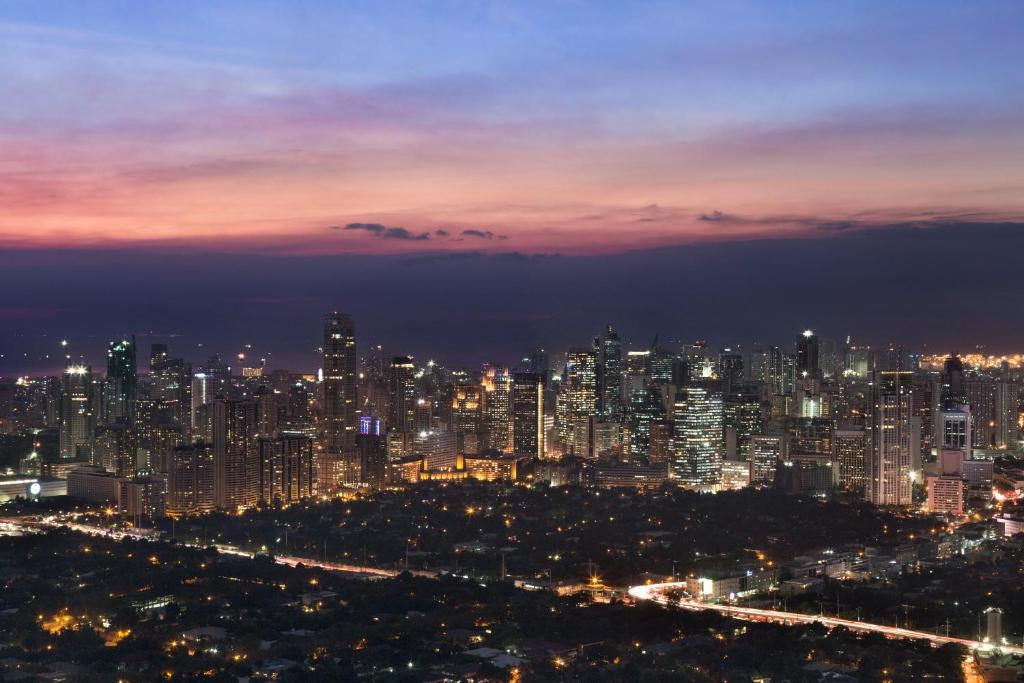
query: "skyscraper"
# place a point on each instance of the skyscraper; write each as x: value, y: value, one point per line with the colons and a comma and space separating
x: 340, y: 383
x: 579, y: 393
x: 697, y: 437
x: 190, y: 480
x: 402, y: 407
x: 807, y: 355
x: 286, y: 468
x: 122, y: 381
x: 528, y: 414
x: 77, y: 411
x: 889, y: 472
x: 609, y: 350
x: 236, y: 454
x: 497, y: 384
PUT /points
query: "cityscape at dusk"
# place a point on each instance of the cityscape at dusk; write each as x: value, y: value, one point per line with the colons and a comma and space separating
x: 493, y: 342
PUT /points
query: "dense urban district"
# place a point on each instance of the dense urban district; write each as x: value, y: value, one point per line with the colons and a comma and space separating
x: 815, y: 511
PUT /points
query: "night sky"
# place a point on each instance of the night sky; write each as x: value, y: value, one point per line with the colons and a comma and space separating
x: 471, y: 179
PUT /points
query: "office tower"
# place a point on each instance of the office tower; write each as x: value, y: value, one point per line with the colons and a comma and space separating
x: 953, y: 390
x: 200, y: 395
x: 171, y: 384
x: 236, y: 454
x: 528, y: 414
x: 537, y: 363
x: 981, y: 397
x: 956, y: 430
x: 402, y: 411
x: 158, y: 354
x: 115, y: 448
x: 77, y: 411
x: 339, y: 387
x: 664, y: 368
x: 190, y: 480
x: 889, y: 468
x: 697, y: 437
x: 779, y: 370
x: 645, y: 409
x: 849, y: 451
x: 742, y: 417
x: 659, y: 448
x: 287, y: 471
x: 122, y: 381
x: 1007, y: 414
x: 467, y: 409
x: 609, y: 364
x: 765, y: 452
x: 497, y: 418
x: 946, y: 494
x: 439, y: 449
x: 808, y: 356
x: 730, y: 370
x: 927, y: 402
x: 578, y: 394
x: 373, y: 459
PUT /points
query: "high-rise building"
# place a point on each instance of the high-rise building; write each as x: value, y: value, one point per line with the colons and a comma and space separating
x: 402, y: 409
x: 497, y: 384
x: 467, y: 408
x: 339, y: 387
x: 730, y: 370
x: 190, y: 480
x: 609, y: 365
x: 373, y: 459
x: 287, y: 471
x: 528, y: 414
x: 578, y: 395
x: 645, y: 409
x: 201, y: 394
x: 765, y: 452
x: 77, y: 411
x: 807, y: 356
x: 1007, y: 414
x: 850, y: 448
x: 122, y: 381
x: 953, y: 390
x: 236, y: 453
x: 697, y: 437
x: 891, y: 459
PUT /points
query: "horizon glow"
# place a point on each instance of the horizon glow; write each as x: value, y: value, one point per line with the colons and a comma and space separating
x: 540, y: 127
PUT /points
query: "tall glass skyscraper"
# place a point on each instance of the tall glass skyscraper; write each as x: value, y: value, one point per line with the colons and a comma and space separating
x: 122, y: 381
x: 697, y: 437
x: 340, y: 383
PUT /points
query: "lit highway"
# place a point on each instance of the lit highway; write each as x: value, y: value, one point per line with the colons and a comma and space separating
x: 656, y: 593
x: 30, y: 524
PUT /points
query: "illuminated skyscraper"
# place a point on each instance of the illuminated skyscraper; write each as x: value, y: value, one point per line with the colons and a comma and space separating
x: 402, y: 408
x: 889, y: 472
x: 122, y: 381
x: 190, y: 480
x: 236, y: 453
x: 807, y: 356
x: 286, y: 469
x: 609, y: 357
x: 765, y: 452
x: 340, y: 383
x: 697, y: 437
x: 850, y: 448
x: 77, y: 411
x: 467, y: 408
x: 528, y: 414
x: 497, y: 384
x: 578, y: 393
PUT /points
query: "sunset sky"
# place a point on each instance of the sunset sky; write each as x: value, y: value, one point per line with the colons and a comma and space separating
x: 574, y: 130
